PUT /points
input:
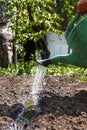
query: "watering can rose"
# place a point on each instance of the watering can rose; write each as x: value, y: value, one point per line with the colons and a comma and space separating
x: 82, y: 7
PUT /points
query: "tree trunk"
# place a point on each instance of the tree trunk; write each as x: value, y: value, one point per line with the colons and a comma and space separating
x: 15, y: 56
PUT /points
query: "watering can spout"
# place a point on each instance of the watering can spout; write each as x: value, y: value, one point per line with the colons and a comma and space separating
x: 63, y: 59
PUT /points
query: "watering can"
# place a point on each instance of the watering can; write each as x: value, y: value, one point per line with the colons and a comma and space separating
x: 76, y: 37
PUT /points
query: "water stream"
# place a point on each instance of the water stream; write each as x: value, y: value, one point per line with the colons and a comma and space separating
x: 37, y: 84
x: 32, y: 106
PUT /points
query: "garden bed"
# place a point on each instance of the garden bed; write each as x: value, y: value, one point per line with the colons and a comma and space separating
x: 63, y: 102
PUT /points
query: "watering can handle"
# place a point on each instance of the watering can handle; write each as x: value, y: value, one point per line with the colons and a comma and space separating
x: 71, y: 25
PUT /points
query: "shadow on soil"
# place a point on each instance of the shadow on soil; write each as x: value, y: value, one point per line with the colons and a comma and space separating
x: 11, y: 111
x: 58, y: 105
x: 51, y: 103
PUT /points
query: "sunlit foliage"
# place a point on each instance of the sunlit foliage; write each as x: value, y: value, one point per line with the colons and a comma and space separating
x: 33, y: 19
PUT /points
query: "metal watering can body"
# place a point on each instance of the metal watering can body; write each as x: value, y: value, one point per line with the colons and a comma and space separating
x: 76, y: 37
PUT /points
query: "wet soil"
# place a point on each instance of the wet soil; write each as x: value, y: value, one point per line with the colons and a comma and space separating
x: 63, y: 102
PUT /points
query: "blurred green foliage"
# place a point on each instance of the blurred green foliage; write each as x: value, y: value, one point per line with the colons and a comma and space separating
x: 32, y: 19
x: 30, y: 68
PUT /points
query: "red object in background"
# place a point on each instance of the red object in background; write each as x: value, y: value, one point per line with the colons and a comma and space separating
x: 82, y: 7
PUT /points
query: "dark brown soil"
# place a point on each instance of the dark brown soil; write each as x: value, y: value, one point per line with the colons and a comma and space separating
x: 63, y: 102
